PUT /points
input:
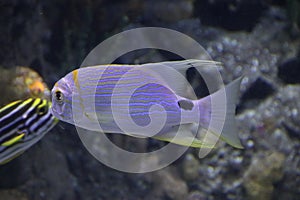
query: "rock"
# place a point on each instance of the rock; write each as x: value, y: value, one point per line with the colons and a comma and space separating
x: 196, y: 195
x: 293, y: 7
x: 289, y: 71
x: 263, y: 172
x: 12, y: 195
x: 291, y: 108
x: 20, y: 83
x: 236, y: 15
x: 190, y: 168
x: 291, y: 180
x: 167, y: 185
x: 260, y: 89
x: 167, y: 10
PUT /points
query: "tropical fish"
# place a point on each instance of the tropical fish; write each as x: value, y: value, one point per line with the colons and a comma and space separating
x: 22, y: 124
x: 135, y: 99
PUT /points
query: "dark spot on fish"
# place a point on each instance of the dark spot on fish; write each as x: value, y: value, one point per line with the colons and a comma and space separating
x: 42, y: 111
x: 186, y: 105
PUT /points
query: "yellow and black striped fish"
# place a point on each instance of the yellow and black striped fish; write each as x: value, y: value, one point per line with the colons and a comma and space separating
x: 22, y: 124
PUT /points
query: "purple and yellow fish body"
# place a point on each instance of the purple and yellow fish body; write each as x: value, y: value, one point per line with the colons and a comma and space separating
x: 150, y: 100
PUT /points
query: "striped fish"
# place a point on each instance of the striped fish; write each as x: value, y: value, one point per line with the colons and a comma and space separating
x: 22, y: 124
x: 148, y: 100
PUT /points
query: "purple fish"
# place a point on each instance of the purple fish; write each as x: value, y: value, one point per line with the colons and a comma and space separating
x: 150, y: 100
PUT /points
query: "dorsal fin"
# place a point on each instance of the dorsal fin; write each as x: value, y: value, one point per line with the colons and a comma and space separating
x: 178, y: 81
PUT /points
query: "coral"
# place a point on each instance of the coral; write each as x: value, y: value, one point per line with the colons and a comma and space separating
x: 190, y: 167
x: 263, y: 172
x: 12, y: 195
x: 21, y: 83
x: 167, y: 184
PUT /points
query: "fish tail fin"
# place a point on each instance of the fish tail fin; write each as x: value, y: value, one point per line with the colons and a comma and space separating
x: 213, y: 120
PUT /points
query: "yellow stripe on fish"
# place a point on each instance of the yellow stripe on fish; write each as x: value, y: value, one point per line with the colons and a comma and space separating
x: 22, y: 124
x: 13, y: 140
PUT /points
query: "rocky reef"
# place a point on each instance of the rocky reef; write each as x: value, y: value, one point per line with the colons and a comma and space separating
x: 21, y: 83
x: 254, y: 39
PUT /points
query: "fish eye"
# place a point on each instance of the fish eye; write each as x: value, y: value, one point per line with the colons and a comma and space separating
x: 42, y: 110
x: 59, y: 97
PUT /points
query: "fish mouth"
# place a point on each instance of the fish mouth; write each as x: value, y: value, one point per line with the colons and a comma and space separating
x: 54, y: 112
x: 59, y: 112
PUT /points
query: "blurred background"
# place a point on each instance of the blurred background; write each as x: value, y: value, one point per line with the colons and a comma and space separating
x: 258, y: 39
